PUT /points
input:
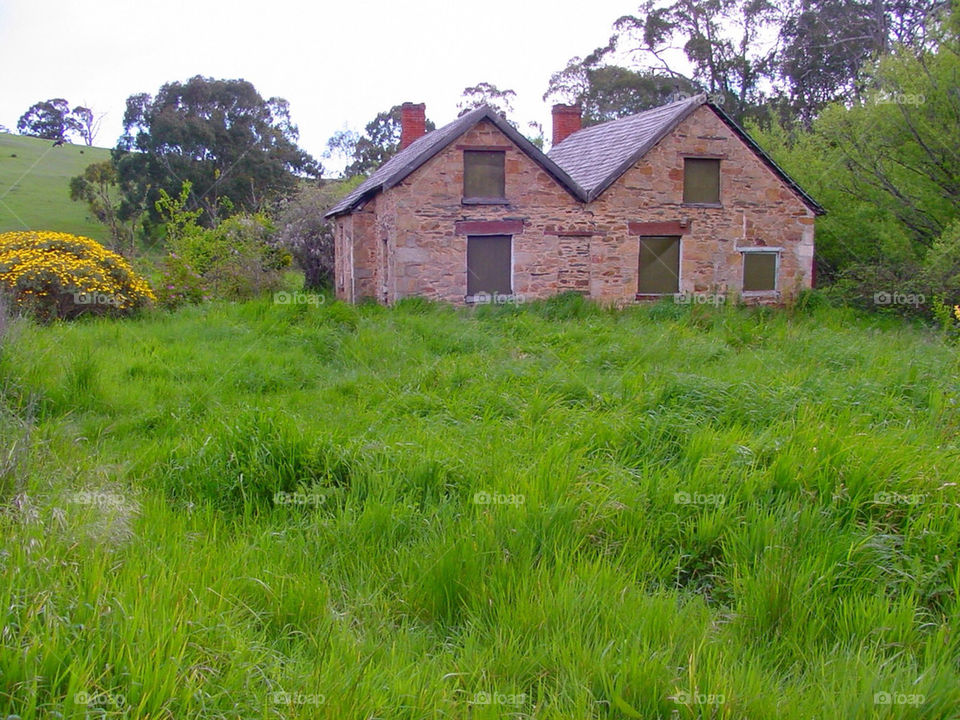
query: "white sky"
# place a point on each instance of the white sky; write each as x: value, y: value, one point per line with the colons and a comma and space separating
x: 338, y: 64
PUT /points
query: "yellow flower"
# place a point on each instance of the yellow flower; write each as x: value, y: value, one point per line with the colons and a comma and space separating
x: 49, y: 265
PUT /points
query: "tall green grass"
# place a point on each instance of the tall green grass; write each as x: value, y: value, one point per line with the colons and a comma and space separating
x: 551, y: 511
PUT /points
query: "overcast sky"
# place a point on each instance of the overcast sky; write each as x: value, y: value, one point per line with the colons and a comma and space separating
x: 338, y: 64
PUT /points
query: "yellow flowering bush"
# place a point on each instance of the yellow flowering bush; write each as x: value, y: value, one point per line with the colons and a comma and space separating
x: 53, y: 274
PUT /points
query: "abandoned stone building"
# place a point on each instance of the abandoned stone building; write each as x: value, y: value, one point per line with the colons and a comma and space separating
x: 671, y: 201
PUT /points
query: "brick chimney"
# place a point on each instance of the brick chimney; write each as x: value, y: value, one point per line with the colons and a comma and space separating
x: 566, y: 120
x: 413, y: 123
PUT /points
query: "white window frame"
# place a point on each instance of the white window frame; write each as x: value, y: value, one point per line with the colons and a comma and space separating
x: 744, y: 251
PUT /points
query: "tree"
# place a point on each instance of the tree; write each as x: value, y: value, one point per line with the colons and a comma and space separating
x: 607, y: 92
x: 487, y: 94
x: 826, y: 43
x: 886, y: 166
x: 86, y: 124
x: 49, y: 119
x: 99, y: 187
x: 380, y: 142
x: 721, y: 39
x: 900, y: 147
x: 221, y: 136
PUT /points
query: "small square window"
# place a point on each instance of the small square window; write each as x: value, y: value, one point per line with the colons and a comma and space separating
x: 489, y: 264
x: 760, y: 271
x: 483, y: 175
x: 701, y: 181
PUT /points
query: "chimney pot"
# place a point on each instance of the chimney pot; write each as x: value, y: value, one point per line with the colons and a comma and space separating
x: 566, y: 121
x: 413, y: 123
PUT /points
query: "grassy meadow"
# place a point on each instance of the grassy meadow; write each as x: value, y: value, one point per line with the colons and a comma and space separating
x: 315, y: 510
x: 35, y: 186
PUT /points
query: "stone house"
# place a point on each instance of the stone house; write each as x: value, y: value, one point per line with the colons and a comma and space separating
x: 677, y: 200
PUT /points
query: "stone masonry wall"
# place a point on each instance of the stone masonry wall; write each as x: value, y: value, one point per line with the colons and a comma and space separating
x: 758, y: 209
x: 429, y: 258
x: 406, y: 242
x: 358, y: 262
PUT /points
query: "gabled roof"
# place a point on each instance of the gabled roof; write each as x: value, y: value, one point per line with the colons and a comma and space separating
x: 586, y: 163
x: 424, y: 148
x: 596, y: 156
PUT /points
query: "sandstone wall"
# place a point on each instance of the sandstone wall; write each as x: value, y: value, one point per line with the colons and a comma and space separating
x: 407, y: 243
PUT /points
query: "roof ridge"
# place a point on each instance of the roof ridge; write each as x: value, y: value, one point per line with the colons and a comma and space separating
x: 586, y: 163
x: 596, y: 156
x: 625, y: 118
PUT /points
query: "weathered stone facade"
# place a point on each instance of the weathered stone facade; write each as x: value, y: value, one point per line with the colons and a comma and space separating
x: 411, y: 239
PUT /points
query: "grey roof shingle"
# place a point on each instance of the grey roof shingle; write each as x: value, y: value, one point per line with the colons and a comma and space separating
x: 421, y: 150
x: 598, y: 155
x: 586, y: 163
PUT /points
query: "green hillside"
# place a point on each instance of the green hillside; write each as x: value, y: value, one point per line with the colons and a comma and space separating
x: 34, y: 186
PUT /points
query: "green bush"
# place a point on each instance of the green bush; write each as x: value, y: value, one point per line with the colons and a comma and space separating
x: 180, y: 284
x: 244, y: 263
x: 234, y: 260
x: 882, y: 286
x: 941, y: 266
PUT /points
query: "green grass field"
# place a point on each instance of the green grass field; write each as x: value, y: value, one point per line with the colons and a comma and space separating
x: 551, y: 511
x: 35, y: 186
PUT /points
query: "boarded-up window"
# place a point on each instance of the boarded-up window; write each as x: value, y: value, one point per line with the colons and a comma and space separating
x: 483, y: 175
x: 659, y: 265
x: 488, y: 264
x: 701, y: 180
x: 759, y: 271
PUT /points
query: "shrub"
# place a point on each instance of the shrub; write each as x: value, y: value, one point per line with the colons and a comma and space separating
x: 234, y: 260
x: 179, y: 283
x: 307, y: 234
x: 941, y: 265
x: 245, y: 264
x: 892, y: 287
x: 52, y: 274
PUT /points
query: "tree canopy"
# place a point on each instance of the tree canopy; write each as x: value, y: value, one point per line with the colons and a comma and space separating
x: 49, y: 119
x: 485, y: 93
x: 607, y: 92
x: 380, y: 142
x: 234, y: 147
